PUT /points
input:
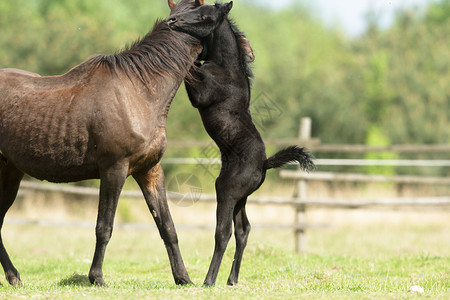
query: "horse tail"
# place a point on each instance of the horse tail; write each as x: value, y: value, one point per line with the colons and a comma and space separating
x: 291, y: 154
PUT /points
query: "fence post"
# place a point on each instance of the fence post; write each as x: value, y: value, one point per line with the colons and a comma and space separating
x: 300, y: 210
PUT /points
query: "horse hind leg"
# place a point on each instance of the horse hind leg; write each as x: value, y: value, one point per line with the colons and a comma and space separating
x: 152, y: 186
x: 10, y: 178
x: 224, y: 220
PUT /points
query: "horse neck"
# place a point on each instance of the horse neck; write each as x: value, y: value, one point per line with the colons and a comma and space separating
x: 224, y: 48
x: 162, y: 53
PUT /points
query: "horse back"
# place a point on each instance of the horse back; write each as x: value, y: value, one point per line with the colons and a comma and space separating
x: 13, y: 71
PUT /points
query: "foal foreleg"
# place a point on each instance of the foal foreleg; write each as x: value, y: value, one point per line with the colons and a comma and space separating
x: 207, y: 83
x: 10, y: 178
x: 241, y: 232
x: 111, y: 183
x: 152, y: 186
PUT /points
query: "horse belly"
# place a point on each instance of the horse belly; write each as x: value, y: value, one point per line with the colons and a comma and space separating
x: 63, y: 161
x: 47, y: 139
x: 67, y: 174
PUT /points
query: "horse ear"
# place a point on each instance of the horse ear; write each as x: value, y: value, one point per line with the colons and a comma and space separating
x: 171, y: 3
x: 199, y: 2
x: 245, y: 44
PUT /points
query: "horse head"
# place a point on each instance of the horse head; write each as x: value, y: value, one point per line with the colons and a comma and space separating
x: 183, y: 5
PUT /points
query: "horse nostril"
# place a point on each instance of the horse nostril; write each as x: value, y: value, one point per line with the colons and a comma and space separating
x: 171, y: 21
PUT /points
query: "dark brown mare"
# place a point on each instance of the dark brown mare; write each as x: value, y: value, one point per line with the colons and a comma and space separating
x: 103, y: 119
x: 221, y: 92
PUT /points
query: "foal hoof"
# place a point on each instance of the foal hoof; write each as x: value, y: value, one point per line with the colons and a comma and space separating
x: 15, y: 282
x: 232, y: 282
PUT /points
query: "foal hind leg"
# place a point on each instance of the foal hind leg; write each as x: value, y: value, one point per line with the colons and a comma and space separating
x: 241, y: 232
x: 226, y: 201
x: 152, y: 186
x: 10, y: 178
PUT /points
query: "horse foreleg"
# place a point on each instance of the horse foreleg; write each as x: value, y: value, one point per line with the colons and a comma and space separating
x: 10, y: 178
x: 112, y: 180
x: 152, y: 186
x: 241, y: 232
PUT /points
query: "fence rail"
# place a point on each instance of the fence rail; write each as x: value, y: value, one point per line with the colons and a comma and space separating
x: 261, y: 200
x: 299, y: 226
x: 330, y: 176
x: 325, y: 162
x: 313, y: 144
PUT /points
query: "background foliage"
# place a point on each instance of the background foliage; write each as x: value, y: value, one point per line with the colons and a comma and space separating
x: 385, y: 86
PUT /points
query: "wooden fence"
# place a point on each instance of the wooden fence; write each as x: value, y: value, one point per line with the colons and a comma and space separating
x: 301, y: 201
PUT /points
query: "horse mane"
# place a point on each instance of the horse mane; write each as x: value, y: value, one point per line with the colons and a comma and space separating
x: 162, y: 51
x: 245, y: 65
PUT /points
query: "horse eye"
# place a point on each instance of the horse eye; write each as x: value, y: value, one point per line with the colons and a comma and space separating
x: 205, y: 18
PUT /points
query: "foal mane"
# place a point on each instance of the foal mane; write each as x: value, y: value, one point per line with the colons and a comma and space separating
x: 244, y: 63
x: 162, y: 51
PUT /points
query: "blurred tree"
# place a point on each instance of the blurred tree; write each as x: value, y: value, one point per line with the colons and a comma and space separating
x: 391, y: 82
x: 50, y: 37
x: 407, y: 94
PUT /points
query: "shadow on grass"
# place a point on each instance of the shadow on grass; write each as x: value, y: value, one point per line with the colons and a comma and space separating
x: 76, y: 280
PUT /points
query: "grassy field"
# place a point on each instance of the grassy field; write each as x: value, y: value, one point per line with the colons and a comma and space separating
x: 364, y: 255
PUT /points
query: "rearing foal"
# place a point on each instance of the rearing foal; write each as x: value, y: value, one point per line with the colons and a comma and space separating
x: 103, y: 119
x: 221, y: 92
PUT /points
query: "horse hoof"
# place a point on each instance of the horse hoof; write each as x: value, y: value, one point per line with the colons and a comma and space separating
x: 97, y: 281
x: 183, y: 281
x: 208, y: 284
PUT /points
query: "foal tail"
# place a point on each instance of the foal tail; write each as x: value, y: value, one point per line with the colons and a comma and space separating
x: 291, y: 154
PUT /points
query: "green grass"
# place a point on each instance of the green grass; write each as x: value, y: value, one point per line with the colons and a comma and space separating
x: 364, y: 261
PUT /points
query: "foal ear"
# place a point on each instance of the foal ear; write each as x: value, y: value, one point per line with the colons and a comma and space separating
x: 171, y: 3
x: 199, y: 2
x: 228, y: 7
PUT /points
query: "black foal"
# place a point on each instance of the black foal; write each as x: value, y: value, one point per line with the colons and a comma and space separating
x: 221, y: 92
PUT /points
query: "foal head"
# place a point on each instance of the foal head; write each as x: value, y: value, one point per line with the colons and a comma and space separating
x: 199, y: 21
x: 246, y: 54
